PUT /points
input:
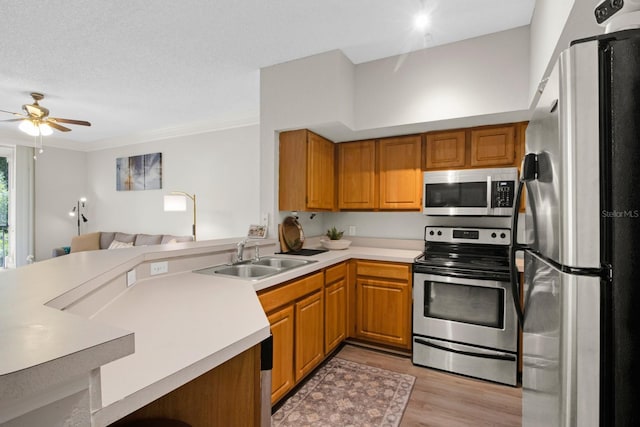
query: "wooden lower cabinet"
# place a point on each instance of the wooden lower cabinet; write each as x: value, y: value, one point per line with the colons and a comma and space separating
x: 296, y: 314
x: 282, y: 327
x: 335, y: 307
x: 309, y: 334
x: 383, y: 303
x: 228, y: 395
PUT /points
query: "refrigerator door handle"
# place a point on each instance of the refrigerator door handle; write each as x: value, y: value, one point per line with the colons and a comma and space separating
x: 513, y: 248
x: 529, y: 172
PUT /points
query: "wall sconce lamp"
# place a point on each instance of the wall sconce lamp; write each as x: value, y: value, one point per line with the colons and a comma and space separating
x: 76, y: 211
x: 176, y: 202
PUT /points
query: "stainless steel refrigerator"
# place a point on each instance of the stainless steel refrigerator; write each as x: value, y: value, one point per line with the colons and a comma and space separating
x: 581, y: 322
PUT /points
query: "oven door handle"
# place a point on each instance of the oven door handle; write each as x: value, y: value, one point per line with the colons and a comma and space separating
x: 497, y: 356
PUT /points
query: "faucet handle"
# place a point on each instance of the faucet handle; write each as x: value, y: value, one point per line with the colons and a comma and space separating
x: 257, y: 254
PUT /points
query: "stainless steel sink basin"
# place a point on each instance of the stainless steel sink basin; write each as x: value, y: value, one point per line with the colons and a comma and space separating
x: 281, y: 262
x: 255, y: 269
x: 246, y: 270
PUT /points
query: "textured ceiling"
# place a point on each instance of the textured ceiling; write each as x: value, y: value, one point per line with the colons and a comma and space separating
x: 135, y: 68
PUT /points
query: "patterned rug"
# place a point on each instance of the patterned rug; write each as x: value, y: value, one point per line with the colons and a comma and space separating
x: 345, y: 393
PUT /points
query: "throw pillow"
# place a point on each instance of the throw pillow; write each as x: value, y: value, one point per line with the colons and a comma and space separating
x: 86, y: 242
x: 119, y: 245
x: 147, y: 239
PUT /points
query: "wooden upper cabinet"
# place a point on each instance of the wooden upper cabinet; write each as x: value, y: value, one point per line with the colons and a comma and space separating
x: 306, y: 172
x: 400, y: 175
x: 445, y: 150
x: 493, y: 146
x: 356, y: 175
x: 320, y: 173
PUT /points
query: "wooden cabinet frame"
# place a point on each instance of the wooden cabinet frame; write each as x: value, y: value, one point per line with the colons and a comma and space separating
x: 306, y: 172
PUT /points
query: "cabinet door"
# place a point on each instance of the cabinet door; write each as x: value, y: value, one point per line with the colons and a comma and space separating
x: 400, y: 174
x: 494, y: 146
x: 445, y: 150
x: 335, y: 321
x: 309, y: 334
x: 292, y: 191
x: 356, y: 175
x: 320, y: 173
x: 383, y: 311
x: 282, y: 328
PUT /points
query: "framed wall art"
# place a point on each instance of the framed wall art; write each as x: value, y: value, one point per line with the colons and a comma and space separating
x: 143, y: 172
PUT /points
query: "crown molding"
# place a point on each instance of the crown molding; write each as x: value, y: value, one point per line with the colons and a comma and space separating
x: 14, y: 136
x: 171, y: 132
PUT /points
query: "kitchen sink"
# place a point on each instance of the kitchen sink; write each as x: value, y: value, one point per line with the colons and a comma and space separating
x: 281, y: 262
x: 255, y: 269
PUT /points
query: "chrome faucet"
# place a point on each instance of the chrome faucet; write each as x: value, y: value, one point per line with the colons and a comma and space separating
x: 240, y: 250
x: 256, y: 255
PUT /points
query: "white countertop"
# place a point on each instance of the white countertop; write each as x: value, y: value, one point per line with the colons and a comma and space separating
x: 184, y: 324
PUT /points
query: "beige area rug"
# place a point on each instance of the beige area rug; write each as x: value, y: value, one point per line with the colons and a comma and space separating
x: 345, y: 393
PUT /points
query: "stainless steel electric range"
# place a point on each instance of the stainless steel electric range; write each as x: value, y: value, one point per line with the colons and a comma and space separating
x: 464, y: 320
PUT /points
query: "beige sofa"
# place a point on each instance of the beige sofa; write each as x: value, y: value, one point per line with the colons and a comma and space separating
x: 113, y: 240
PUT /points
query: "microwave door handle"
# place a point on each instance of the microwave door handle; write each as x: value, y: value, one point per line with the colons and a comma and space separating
x: 488, y: 195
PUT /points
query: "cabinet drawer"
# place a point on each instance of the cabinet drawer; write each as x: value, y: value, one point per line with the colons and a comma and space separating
x: 378, y: 269
x: 335, y: 273
x: 284, y: 294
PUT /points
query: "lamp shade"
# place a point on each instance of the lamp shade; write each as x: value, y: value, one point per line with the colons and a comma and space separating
x: 175, y: 203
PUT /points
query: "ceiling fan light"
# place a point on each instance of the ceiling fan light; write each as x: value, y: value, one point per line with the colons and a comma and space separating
x: 45, y: 129
x: 28, y: 127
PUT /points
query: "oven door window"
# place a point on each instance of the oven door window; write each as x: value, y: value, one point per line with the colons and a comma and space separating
x: 475, y: 305
x: 459, y: 194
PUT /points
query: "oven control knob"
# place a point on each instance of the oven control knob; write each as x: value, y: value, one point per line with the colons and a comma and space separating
x: 431, y: 233
x: 502, y: 235
x: 439, y: 233
x: 493, y: 235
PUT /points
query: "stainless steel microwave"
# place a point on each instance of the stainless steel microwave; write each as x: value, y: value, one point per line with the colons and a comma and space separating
x: 470, y: 192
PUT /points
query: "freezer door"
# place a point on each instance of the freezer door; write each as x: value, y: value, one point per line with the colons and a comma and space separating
x: 560, y: 348
x: 562, y: 219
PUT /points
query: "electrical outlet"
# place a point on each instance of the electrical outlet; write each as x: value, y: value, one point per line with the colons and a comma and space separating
x: 131, y: 278
x: 159, y: 267
x: 264, y: 220
x: 352, y: 230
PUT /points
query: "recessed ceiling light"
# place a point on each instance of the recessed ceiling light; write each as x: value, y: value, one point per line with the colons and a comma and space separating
x: 421, y: 21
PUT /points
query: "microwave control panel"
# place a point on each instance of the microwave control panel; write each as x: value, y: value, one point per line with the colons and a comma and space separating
x: 502, y: 194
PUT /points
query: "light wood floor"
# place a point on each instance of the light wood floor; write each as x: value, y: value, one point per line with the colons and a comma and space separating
x: 443, y: 399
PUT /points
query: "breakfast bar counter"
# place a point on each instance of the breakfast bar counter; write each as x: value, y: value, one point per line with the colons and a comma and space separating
x: 82, y: 346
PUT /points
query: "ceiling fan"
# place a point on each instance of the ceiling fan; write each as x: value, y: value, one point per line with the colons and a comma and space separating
x: 36, y: 121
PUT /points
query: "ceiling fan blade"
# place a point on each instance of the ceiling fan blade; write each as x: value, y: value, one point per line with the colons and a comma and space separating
x: 57, y: 126
x: 12, y: 120
x: 69, y: 121
x: 11, y: 112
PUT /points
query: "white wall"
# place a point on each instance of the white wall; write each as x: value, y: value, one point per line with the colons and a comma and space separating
x: 314, y: 90
x: 475, y: 77
x: 482, y: 76
x: 221, y: 168
x: 555, y: 23
x: 548, y: 21
x: 60, y: 180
